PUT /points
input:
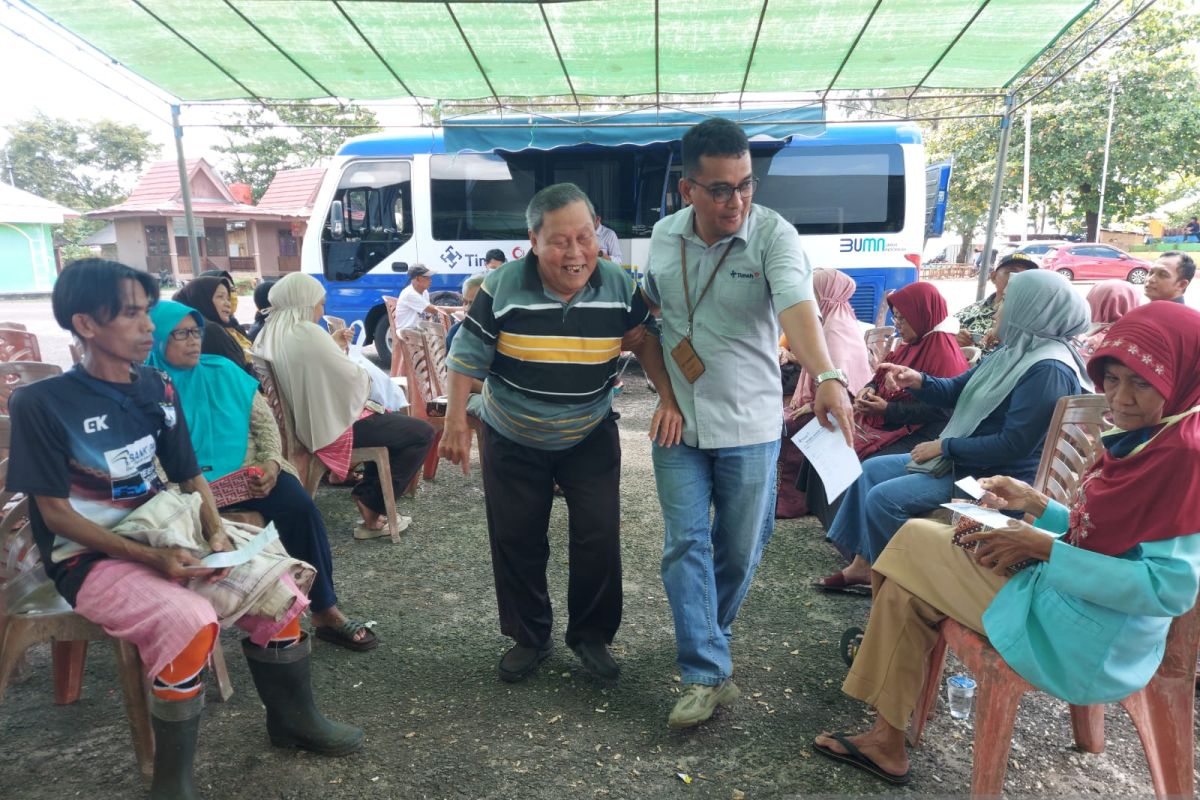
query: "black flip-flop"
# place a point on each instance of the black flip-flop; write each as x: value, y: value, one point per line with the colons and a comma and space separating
x: 837, y: 583
x: 343, y: 636
x: 855, y: 758
x: 851, y: 641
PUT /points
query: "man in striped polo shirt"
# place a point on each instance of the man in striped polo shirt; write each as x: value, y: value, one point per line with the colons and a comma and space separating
x: 544, y: 335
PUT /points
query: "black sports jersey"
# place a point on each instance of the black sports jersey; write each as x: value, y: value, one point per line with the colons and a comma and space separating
x: 94, y: 442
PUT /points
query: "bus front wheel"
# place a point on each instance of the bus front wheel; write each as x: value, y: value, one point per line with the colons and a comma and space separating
x: 383, y: 340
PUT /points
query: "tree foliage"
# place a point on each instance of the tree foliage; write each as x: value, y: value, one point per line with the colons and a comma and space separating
x: 1154, y: 146
x: 79, y: 165
x: 263, y: 141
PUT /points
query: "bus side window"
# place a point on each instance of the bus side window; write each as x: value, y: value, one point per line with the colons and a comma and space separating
x: 652, y: 168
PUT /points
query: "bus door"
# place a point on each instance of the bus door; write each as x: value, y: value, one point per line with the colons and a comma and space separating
x: 369, y: 219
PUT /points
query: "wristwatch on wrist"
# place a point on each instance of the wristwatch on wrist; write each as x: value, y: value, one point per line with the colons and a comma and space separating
x: 833, y: 375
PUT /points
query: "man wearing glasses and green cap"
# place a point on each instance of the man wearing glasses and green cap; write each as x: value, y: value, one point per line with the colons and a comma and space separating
x: 723, y: 270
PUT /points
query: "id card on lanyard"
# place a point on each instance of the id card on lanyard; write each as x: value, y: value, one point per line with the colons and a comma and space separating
x: 684, y: 353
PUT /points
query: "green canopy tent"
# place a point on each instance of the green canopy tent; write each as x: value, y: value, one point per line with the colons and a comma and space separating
x: 511, y: 54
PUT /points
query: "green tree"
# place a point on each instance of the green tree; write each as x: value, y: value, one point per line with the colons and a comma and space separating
x: 263, y: 141
x: 1154, y: 149
x: 83, y: 166
x: 973, y: 145
x: 1153, y: 138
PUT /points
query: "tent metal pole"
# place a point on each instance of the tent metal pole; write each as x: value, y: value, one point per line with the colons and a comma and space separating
x: 942, y: 57
x: 985, y: 260
x: 186, y: 190
x: 1112, y: 104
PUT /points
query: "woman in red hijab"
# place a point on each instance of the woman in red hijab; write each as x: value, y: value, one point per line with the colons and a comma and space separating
x: 1079, y: 603
x: 891, y: 419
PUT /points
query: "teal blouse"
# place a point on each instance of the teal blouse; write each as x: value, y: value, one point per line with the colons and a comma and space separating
x: 1090, y: 628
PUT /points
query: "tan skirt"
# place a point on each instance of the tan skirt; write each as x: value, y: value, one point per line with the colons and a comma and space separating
x: 921, y: 578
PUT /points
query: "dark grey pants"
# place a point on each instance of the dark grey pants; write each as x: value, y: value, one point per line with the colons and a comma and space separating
x: 518, y: 483
x: 407, y: 439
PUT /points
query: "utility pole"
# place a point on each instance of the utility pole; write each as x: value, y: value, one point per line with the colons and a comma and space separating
x: 1112, y: 102
x: 186, y: 189
x: 1025, y: 180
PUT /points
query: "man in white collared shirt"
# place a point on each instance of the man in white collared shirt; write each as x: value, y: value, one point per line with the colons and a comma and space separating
x: 413, y: 302
x: 722, y: 270
x: 610, y: 245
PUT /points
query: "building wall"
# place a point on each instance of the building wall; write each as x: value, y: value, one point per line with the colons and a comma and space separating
x: 27, y: 258
x: 268, y: 248
x: 131, y: 241
x: 1122, y: 239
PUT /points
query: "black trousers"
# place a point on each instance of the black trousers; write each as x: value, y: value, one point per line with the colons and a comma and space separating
x: 407, y: 440
x: 518, y: 484
x: 302, y: 531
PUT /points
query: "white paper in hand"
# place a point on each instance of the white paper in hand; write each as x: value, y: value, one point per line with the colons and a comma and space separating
x: 235, y: 558
x: 827, y: 453
x: 971, y: 487
x: 988, y: 517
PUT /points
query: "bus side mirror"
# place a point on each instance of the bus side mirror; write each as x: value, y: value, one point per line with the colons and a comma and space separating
x: 337, y: 222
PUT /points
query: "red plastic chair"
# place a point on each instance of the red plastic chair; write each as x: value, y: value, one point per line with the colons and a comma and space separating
x: 19, y: 345
x: 1163, y: 712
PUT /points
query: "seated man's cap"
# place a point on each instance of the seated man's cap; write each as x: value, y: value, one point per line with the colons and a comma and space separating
x: 1018, y: 261
x: 419, y: 271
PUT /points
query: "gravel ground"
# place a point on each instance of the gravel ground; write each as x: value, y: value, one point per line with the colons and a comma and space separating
x: 440, y: 725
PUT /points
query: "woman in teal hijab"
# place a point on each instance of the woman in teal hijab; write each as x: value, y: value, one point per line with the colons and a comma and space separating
x: 216, y: 394
x: 1002, y: 410
x: 231, y: 427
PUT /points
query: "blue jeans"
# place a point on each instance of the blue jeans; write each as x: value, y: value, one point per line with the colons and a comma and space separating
x: 718, y: 513
x: 883, y: 498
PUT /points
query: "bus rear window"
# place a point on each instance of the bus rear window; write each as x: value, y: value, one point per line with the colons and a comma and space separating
x: 834, y: 190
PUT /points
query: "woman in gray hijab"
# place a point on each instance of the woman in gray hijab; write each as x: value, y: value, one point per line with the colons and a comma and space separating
x: 1002, y: 409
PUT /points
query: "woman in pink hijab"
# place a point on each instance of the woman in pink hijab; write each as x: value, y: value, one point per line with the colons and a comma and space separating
x: 1110, y: 300
x: 847, y: 350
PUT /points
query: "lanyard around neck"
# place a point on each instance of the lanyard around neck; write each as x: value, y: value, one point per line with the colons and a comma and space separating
x: 687, y: 294
x: 1165, y: 422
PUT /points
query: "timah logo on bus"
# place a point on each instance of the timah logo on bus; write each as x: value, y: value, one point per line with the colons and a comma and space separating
x: 861, y: 244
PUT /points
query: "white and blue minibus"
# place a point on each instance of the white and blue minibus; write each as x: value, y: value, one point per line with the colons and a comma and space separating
x: 857, y: 193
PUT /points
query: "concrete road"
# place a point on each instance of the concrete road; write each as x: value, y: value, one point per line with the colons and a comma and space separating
x: 38, y: 318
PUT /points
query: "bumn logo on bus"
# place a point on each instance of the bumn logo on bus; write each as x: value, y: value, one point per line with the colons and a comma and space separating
x: 861, y: 244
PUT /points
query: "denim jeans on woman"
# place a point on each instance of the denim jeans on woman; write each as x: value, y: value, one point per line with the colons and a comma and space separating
x: 718, y: 513
x: 883, y: 498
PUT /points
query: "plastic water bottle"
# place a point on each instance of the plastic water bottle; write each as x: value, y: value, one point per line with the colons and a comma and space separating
x: 960, y: 692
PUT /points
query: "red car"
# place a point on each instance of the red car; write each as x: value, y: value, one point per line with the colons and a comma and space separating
x: 1088, y: 261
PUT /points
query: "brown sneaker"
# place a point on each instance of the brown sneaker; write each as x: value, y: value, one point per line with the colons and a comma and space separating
x: 699, y: 702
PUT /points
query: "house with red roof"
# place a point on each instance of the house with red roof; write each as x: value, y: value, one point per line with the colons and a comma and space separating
x: 232, y: 233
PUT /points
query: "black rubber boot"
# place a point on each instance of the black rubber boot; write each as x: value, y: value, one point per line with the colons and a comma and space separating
x: 176, y: 724
x: 284, y: 684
